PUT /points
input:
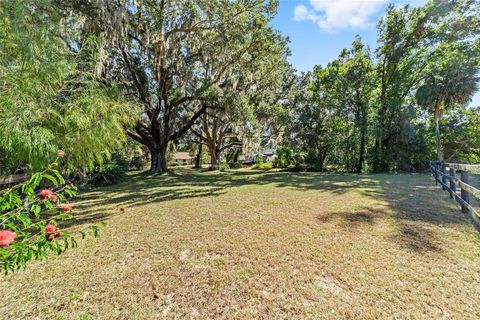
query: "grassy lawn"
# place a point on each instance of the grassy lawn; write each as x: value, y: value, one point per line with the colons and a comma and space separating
x: 260, y: 245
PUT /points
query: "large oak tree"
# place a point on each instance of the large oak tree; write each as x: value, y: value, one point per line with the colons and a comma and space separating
x: 169, y: 55
x: 235, y: 110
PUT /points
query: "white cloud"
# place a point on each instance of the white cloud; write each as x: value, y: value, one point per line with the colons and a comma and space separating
x: 302, y: 13
x: 339, y: 14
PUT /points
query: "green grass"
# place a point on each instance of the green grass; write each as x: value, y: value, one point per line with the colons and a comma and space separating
x: 252, y: 244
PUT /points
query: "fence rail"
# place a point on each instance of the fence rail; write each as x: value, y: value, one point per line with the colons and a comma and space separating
x: 14, y: 178
x: 447, y: 175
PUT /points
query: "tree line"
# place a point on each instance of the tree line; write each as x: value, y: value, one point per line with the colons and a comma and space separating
x: 373, y: 110
x: 90, y: 76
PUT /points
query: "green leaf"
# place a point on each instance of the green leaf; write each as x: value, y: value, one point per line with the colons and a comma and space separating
x: 96, y: 231
x: 51, y: 178
x: 59, y: 176
x: 36, y: 209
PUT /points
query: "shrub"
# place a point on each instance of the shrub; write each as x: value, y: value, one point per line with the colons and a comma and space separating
x: 259, y: 160
x: 223, y: 166
x: 284, y: 157
x: 109, y: 172
x: 290, y: 158
x: 260, y: 164
x: 137, y: 163
x: 264, y: 166
x: 236, y: 165
x: 267, y: 166
x: 30, y: 213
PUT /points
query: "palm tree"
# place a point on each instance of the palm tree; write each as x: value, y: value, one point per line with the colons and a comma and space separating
x: 449, y: 82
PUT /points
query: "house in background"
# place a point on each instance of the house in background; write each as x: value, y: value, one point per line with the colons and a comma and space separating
x: 266, y: 145
x: 269, y: 155
x: 183, y: 158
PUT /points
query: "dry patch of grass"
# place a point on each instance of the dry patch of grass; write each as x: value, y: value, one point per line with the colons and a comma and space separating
x: 260, y: 245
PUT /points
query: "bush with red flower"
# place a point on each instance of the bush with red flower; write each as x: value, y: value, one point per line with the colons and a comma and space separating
x: 30, y: 216
x: 6, y: 237
x: 47, y: 194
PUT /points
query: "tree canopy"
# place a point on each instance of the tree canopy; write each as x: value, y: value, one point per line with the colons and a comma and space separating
x: 369, y: 112
x: 82, y: 75
x: 50, y: 96
x: 172, y: 56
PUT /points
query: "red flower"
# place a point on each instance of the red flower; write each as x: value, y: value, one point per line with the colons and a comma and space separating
x: 50, y: 228
x: 46, y: 193
x: 52, y: 232
x: 6, y: 237
x: 122, y: 210
x: 61, y: 153
x: 67, y: 208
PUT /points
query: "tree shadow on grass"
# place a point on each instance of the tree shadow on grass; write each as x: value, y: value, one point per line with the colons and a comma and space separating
x: 422, y: 211
x: 93, y: 217
x: 416, y: 198
x: 143, y: 188
x: 417, y: 238
x: 366, y: 216
x: 413, y: 200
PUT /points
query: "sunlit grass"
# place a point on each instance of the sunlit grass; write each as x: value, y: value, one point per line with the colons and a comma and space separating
x: 251, y: 244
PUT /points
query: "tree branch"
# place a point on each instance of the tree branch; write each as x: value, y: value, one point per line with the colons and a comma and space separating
x: 136, y: 137
x: 142, y: 94
x: 198, y: 134
x: 144, y: 135
x: 217, y: 77
x: 189, y: 124
x: 238, y: 143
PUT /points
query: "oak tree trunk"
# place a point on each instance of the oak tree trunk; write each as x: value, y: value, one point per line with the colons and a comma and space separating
x: 159, y: 159
x: 153, y: 160
x: 213, y: 160
x: 198, y: 158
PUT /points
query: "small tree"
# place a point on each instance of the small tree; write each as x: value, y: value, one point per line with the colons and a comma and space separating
x: 50, y: 95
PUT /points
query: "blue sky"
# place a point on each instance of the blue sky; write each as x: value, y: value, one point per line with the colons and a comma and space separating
x: 319, y: 29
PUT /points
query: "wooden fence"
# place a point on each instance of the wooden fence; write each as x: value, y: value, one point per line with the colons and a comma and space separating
x: 12, y: 179
x: 453, y: 175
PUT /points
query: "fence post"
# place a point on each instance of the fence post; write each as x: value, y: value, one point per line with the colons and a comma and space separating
x: 437, y: 170
x: 464, y: 193
x: 433, y: 169
x: 452, y: 183
x: 444, y: 177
